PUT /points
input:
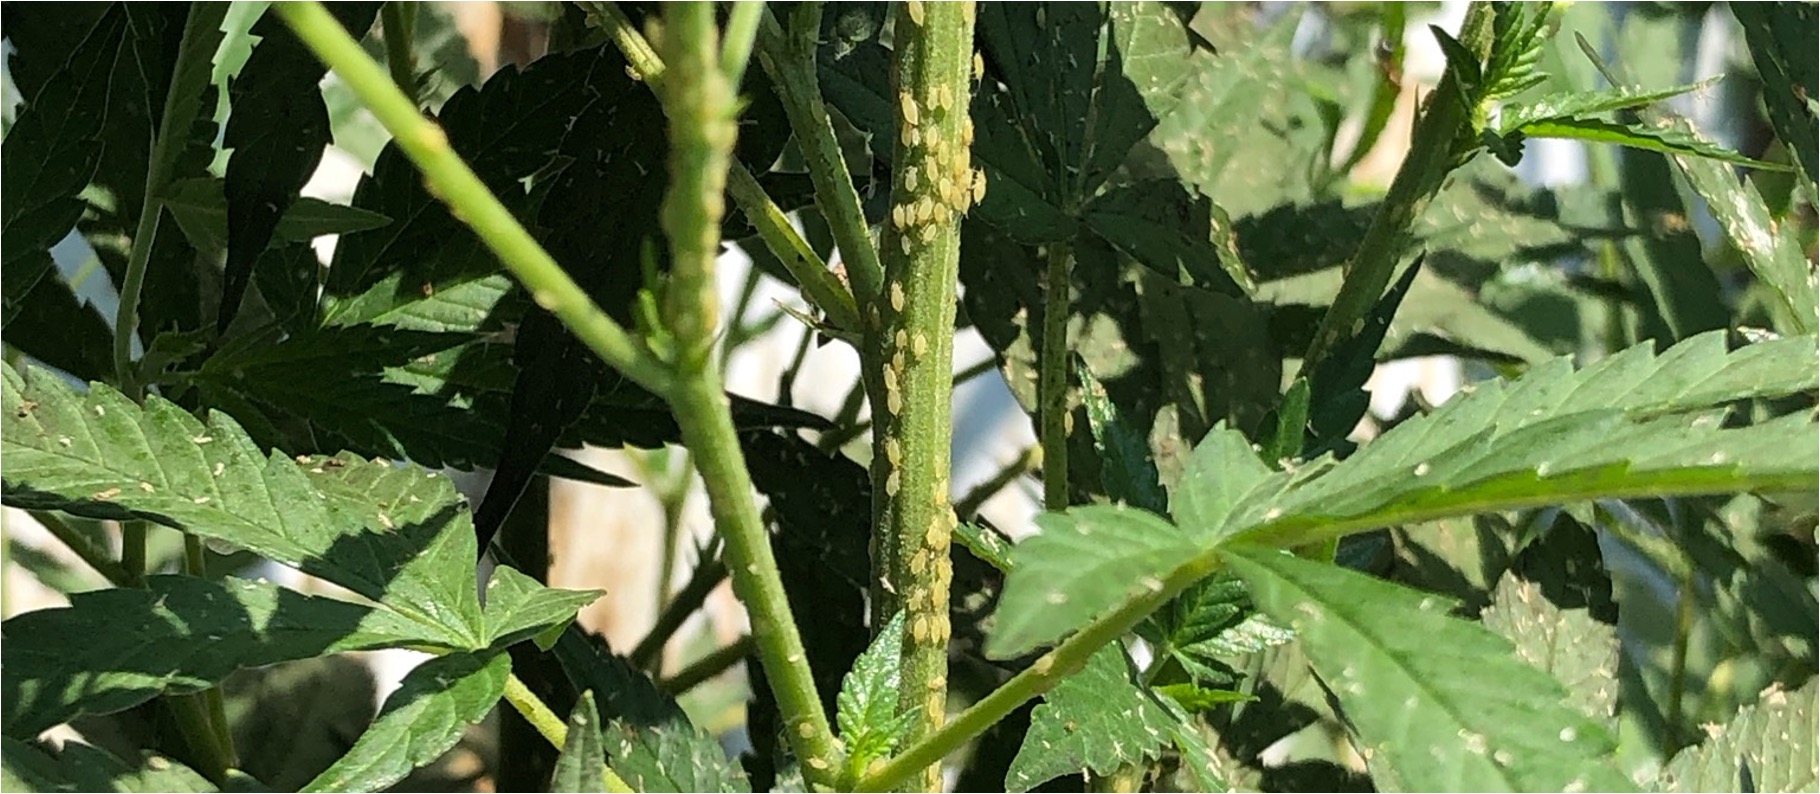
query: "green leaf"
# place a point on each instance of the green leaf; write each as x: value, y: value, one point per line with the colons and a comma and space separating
x: 199, y: 205
x: 671, y: 757
x: 1126, y: 469
x: 277, y: 132
x: 398, y: 535
x: 1193, y: 698
x: 1569, y: 644
x: 1772, y: 251
x: 870, y: 724
x: 428, y: 714
x: 1782, y: 39
x: 1211, y: 621
x: 1555, y: 436
x: 1082, y: 563
x: 186, y: 635
x: 519, y: 608
x: 582, y: 766
x: 1099, y: 719
x: 1769, y: 746
x: 1439, y: 703
x: 80, y: 767
x: 988, y: 544
x: 1586, y: 103
x: 1222, y: 469
x: 1668, y: 140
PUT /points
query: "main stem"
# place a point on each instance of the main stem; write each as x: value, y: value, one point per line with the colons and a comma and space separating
x: 910, y: 349
x: 700, y: 104
x: 1052, y: 385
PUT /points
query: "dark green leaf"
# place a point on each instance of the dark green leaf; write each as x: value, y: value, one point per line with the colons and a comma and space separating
x: 1579, y: 104
x: 199, y: 205
x: 80, y: 767
x: 186, y: 635
x: 1437, y: 702
x: 1126, y: 469
x: 277, y: 132
x: 1223, y: 468
x: 582, y: 767
x: 519, y: 608
x: 1782, y: 39
x: 426, y: 716
x: 1099, y: 719
x: 1084, y: 562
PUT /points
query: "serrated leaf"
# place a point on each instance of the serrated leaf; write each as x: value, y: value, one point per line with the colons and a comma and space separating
x: 671, y: 758
x: 187, y: 635
x: 199, y: 206
x: 1126, y: 469
x: 1587, y: 103
x: 1769, y: 746
x: 427, y: 715
x: 1557, y: 435
x: 1221, y: 470
x: 1772, y: 251
x: 519, y: 608
x: 1439, y: 703
x: 81, y: 767
x: 277, y: 132
x: 1569, y: 644
x: 582, y: 766
x: 1782, y: 39
x: 1667, y: 140
x: 1211, y: 621
x: 1083, y: 562
x: 991, y: 546
x: 870, y: 724
x: 1193, y: 698
x: 1097, y: 719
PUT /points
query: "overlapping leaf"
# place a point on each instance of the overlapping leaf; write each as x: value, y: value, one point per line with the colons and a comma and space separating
x: 1439, y: 703
x: 583, y: 764
x: 179, y: 634
x: 1782, y: 37
x: 868, y: 716
x: 1099, y: 719
x: 426, y: 716
x: 1556, y: 435
x: 81, y: 767
x: 1569, y: 644
x: 1083, y: 562
x: 1769, y: 746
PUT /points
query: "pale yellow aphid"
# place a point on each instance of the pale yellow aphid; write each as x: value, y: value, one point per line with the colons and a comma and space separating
x: 894, y: 402
x: 910, y: 179
x: 901, y: 337
x: 928, y: 233
x: 1043, y: 663
x: 907, y: 104
x: 900, y: 217
x: 938, y: 682
x: 943, y: 97
x: 897, y: 360
x: 933, y: 538
x: 979, y: 66
x: 907, y: 136
x: 891, y: 482
x: 897, y: 295
x: 919, y: 564
x: 903, y: 241
x: 894, y: 451
x: 919, y: 345
x: 915, y: 9
x: 890, y: 379
x: 804, y: 729
x: 919, y: 629
x: 923, y: 210
x: 979, y: 186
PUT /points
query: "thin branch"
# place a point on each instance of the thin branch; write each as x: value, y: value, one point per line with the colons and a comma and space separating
x: 551, y: 727
x: 708, y: 575
x: 708, y: 666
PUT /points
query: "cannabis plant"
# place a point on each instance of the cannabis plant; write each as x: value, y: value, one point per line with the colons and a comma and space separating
x: 1160, y: 217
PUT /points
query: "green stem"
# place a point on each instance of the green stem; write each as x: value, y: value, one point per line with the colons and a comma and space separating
x: 819, y: 285
x: 1049, y: 670
x: 700, y: 105
x: 790, y: 61
x: 909, y: 352
x: 1434, y: 149
x: 398, y: 21
x: 736, y: 48
x: 450, y: 179
x: 708, y: 667
x: 191, y: 713
x: 214, y: 709
x: 132, y: 551
x: 532, y: 708
x: 708, y: 575
x: 1052, y: 382
x: 201, y: 30
x: 96, y: 557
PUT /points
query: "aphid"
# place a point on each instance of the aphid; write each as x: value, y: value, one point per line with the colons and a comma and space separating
x: 943, y: 97
x: 925, y: 210
x: 936, y: 705
x: 908, y: 136
x: 910, y: 177
x: 919, y: 629
x: 146, y: 487
x: 894, y: 451
x: 899, y: 217
x: 933, y: 538
x: 901, y: 338
x: 890, y: 379
x: 894, y: 402
x: 919, y: 345
x: 928, y: 233
x: 903, y: 241
x: 891, y: 482
x: 915, y: 9
x: 979, y: 66
x: 897, y: 295
x: 979, y: 186
x: 897, y: 361
x: 1043, y: 663
x: 107, y: 494
x: 907, y: 104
